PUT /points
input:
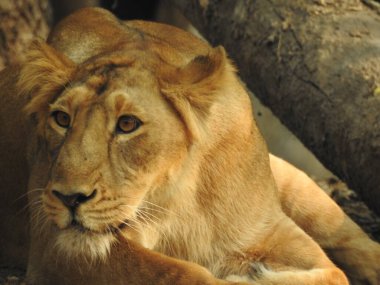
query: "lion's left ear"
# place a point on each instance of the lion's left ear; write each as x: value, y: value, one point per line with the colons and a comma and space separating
x: 193, y: 88
x: 44, y: 72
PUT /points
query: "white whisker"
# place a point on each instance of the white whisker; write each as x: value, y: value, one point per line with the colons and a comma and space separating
x: 134, y: 227
x: 29, y: 205
x: 152, y: 204
x: 25, y: 194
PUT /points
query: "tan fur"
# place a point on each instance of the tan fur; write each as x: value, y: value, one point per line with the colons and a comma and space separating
x: 193, y: 182
x: 312, y: 209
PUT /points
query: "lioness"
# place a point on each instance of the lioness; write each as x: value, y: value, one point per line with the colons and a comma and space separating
x: 142, y: 138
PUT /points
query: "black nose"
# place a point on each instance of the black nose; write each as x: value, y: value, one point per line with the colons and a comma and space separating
x: 73, y: 200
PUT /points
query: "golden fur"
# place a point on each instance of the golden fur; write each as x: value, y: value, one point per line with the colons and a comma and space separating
x: 194, y: 182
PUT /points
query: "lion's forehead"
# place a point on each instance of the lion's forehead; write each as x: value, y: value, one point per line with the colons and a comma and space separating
x: 124, y: 91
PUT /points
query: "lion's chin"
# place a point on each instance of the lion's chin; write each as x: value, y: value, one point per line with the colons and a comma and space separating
x: 91, y: 246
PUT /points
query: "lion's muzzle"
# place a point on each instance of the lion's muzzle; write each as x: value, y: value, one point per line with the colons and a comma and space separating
x: 72, y: 201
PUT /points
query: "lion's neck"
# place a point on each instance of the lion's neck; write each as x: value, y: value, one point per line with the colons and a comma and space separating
x: 209, y: 209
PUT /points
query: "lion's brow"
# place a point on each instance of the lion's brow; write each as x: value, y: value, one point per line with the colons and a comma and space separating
x: 98, y: 77
x: 97, y: 80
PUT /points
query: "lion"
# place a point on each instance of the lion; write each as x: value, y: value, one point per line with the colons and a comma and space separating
x: 146, y: 167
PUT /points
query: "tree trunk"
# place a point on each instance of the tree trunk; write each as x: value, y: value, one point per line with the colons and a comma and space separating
x: 316, y: 64
x: 21, y: 22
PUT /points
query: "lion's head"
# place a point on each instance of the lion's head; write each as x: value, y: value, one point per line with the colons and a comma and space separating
x: 120, y: 131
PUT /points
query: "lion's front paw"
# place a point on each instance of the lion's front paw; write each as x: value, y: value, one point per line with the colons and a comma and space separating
x: 256, y: 270
x: 240, y: 279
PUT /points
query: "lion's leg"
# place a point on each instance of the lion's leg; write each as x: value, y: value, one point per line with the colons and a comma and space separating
x: 144, y: 266
x: 128, y: 263
x: 319, y: 216
x: 290, y: 257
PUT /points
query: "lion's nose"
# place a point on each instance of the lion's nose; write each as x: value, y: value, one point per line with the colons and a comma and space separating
x: 74, y: 200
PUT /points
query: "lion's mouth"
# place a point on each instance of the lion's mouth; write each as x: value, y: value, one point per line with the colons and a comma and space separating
x: 78, y: 226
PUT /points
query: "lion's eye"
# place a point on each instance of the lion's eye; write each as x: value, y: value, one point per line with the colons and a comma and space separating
x: 62, y: 119
x: 127, y: 124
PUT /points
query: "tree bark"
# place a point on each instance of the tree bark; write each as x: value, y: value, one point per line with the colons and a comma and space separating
x: 21, y: 22
x: 316, y: 64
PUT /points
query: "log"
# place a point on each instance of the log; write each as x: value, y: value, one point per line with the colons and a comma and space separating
x: 21, y: 22
x: 316, y: 64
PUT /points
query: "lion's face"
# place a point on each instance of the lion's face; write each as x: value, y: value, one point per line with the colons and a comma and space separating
x: 114, y: 138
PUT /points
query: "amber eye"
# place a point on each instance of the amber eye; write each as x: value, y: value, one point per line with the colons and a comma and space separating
x: 62, y: 119
x: 127, y: 124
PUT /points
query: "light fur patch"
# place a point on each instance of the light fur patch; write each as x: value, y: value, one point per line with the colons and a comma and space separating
x: 257, y: 271
x: 90, y: 246
x: 237, y: 278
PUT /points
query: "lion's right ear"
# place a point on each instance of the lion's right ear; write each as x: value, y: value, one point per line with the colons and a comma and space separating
x: 192, y: 89
x: 44, y: 72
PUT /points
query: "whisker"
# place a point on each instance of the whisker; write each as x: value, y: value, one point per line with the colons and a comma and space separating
x: 27, y: 192
x: 158, y: 206
x: 151, y: 221
x: 131, y: 226
x: 28, y: 205
x: 152, y: 204
x: 141, y: 215
x: 153, y: 209
x: 148, y: 215
x: 35, y: 216
x: 40, y: 220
